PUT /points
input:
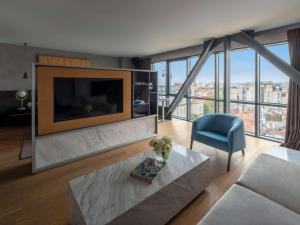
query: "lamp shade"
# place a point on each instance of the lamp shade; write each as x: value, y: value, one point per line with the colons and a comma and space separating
x: 21, y: 94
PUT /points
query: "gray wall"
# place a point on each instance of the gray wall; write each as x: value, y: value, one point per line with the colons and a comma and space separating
x: 14, y: 61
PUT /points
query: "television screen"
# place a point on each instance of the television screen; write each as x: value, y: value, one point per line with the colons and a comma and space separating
x: 76, y: 98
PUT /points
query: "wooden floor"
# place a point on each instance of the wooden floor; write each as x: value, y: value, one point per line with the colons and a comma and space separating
x: 42, y: 199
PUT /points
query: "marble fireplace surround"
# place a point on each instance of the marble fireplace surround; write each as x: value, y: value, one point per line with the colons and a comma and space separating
x: 57, y: 149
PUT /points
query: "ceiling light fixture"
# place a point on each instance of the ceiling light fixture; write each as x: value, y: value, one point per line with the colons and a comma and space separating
x: 25, y: 75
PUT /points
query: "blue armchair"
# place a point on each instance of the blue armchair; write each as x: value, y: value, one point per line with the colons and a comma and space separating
x: 222, y: 131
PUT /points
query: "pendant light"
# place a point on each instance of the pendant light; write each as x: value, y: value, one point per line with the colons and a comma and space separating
x: 25, y: 75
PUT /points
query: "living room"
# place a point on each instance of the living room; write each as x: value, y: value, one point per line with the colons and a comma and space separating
x: 161, y: 112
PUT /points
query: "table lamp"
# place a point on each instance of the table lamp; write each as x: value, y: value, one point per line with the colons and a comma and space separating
x: 21, y: 96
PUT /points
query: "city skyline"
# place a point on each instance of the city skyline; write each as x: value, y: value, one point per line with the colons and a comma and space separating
x: 273, y: 89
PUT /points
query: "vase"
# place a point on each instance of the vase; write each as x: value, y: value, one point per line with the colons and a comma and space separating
x: 161, y: 156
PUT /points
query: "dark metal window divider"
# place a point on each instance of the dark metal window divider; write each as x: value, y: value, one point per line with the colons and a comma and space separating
x: 272, y: 104
x: 216, y: 82
x: 257, y: 93
x: 243, y: 102
x: 227, y: 45
x: 188, y: 100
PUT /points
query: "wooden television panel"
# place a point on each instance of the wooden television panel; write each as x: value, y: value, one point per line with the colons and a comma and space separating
x: 45, y: 94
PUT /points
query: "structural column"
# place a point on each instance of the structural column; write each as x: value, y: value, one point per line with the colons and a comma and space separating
x: 208, y: 48
x: 227, y: 46
x: 217, y: 93
x: 257, y: 93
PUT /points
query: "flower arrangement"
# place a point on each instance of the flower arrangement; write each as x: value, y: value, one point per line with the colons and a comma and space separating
x: 162, y: 146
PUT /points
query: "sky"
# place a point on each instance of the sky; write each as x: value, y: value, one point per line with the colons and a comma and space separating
x: 242, y: 67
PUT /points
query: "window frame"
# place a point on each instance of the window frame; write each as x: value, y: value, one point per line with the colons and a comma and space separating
x: 217, y: 100
x: 166, y: 79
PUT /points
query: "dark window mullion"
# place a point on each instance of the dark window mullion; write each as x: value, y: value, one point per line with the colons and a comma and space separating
x: 216, y: 86
x: 167, y: 77
x: 242, y: 102
x: 257, y: 94
x: 188, y: 100
x: 272, y: 104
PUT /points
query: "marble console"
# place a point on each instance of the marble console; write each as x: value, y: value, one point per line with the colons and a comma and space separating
x: 60, y: 148
x: 111, y: 196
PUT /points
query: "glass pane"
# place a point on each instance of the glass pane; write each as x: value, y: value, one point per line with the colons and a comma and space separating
x: 200, y: 107
x: 274, y: 83
x: 177, y: 74
x: 181, y: 110
x: 221, y: 106
x: 204, y: 85
x: 242, y: 75
x: 193, y: 61
x: 164, y: 100
x: 160, y: 67
x: 247, y: 113
x: 273, y: 121
x: 221, y: 75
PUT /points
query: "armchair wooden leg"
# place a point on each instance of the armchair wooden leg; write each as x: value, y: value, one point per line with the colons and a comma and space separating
x: 229, y: 161
x: 243, y: 152
x: 191, y: 144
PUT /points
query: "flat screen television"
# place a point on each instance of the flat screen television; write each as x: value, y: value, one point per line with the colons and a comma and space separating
x: 76, y: 98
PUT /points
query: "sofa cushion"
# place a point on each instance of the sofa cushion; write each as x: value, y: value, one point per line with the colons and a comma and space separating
x: 243, y: 206
x: 213, y: 139
x: 275, y: 179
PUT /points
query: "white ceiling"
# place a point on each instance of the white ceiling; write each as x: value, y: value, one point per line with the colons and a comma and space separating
x: 135, y: 27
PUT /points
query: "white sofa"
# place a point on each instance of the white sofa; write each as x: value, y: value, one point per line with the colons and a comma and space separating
x: 268, y: 193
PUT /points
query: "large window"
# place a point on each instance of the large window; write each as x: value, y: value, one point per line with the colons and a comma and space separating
x: 258, y: 91
x: 242, y: 86
x: 272, y: 121
x: 181, y: 110
x: 177, y: 75
x: 202, y: 92
x: 273, y: 83
x: 247, y: 113
x: 273, y: 90
x: 242, y: 75
x: 160, y: 67
x: 204, y: 85
x: 200, y: 107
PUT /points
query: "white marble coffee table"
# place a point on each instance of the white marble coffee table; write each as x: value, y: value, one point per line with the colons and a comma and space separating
x: 111, y: 196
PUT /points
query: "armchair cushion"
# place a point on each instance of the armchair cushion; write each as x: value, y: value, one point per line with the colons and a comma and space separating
x: 211, y: 138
